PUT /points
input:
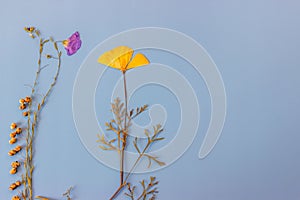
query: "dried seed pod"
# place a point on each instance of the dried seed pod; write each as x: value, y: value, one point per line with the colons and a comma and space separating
x: 29, y: 29
x: 13, y: 186
x: 12, y: 140
x: 22, y: 101
x: 13, y: 134
x: 15, y: 164
x: 26, y: 113
x: 18, y: 183
x: 27, y: 99
x: 19, y: 130
x: 13, y: 126
x: 18, y: 148
x: 22, y: 106
x: 15, y: 150
x: 12, y: 152
x: 15, y: 198
x: 13, y: 171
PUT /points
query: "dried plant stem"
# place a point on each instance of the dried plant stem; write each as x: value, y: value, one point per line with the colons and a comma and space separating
x: 125, y: 132
x: 33, y: 122
x: 117, y: 191
x: 124, y: 141
x: 130, y: 172
x: 138, y: 160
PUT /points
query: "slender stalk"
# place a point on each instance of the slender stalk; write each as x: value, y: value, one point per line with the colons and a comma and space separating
x: 28, y: 165
x: 137, y: 160
x: 117, y: 191
x: 124, y: 131
x: 31, y: 125
x: 130, y: 172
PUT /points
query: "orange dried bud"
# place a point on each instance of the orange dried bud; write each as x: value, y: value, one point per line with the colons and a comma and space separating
x: 18, y: 148
x: 25, y: 114
x: 29, y: 29
x: 16, y: 198
x: 19, y: 130
x: 13, y: 134
x: 13, y: 126
x: 22, y: 101
x: 27, y: 99
x: 12, y: 186
x: 12, y: 140
x: 13, y: 171
x: 15, y: 164
x: 22, y: 106
x: 18, y: 183
x: 12, y: 152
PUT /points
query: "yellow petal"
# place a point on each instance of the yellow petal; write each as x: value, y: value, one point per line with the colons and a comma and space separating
x: 118, y: 57
x: 137, y: 61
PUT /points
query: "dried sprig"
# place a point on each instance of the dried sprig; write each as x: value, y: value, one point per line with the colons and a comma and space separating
x: 106, y: 145
x: 134, y: 113
x: 150, y: 140
x: 149, y: 191
x: 122, y: 59
x: 31, y: 107
x: 67, y: 194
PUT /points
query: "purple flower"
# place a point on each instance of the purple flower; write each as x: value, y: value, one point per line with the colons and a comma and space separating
x: 72, y: 44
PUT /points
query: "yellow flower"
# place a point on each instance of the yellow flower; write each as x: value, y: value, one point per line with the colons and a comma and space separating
x: 121, y: 58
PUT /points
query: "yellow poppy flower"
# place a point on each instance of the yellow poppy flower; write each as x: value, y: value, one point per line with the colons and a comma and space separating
x: 121, y: 58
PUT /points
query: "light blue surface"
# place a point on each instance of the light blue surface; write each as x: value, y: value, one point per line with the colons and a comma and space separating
x: 255, y: 45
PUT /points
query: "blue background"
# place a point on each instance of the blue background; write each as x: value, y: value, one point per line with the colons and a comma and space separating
x: 255, y: 45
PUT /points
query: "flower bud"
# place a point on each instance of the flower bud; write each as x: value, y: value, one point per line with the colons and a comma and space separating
x: 13, y: 126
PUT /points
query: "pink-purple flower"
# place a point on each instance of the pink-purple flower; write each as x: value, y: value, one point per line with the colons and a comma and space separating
x: 72, y: 44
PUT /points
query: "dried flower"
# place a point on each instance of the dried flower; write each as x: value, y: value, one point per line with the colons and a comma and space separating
x: 15, y: 150
x: 18, y: 183
x: 18, y: 148
x: 121, y: 58
x: 13, y: 134
x: 19, y: 130
x: 27, y: 99
x: 13, y: 186
x: 15, y: 164
x: 16, y: 198
x: 72, y: 44
x: 12, y: 152
x: 26, y: 113
x: 13, y: 126
x: 33, y: 32
x: 12, y: 140
x: 13, y: 171
x: 22, y: 107
x: 29, y: 29
x: 22, y: 101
